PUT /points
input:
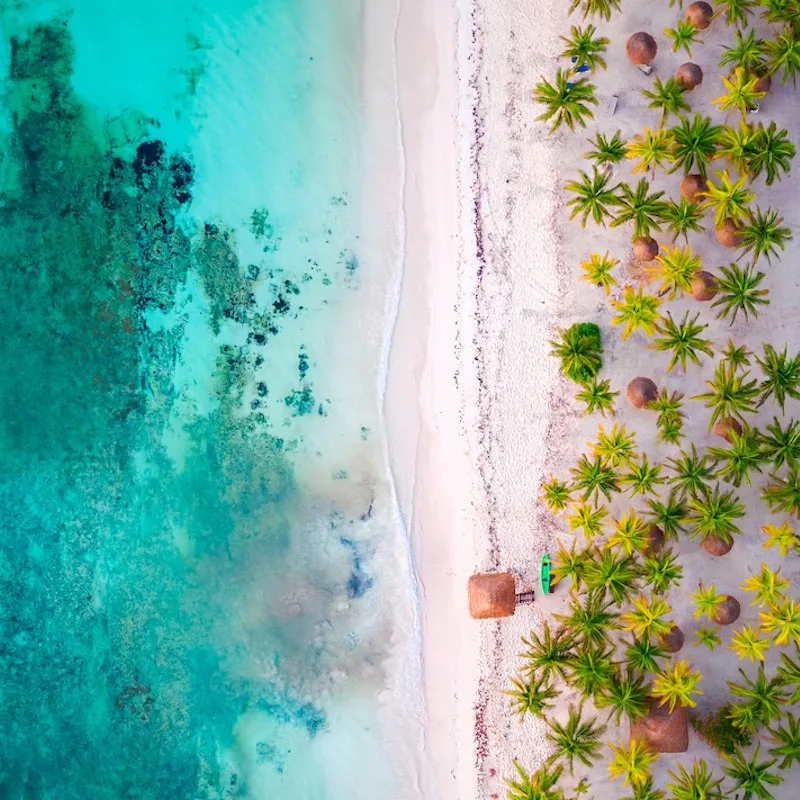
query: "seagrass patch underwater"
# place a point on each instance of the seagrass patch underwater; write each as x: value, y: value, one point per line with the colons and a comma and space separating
x: 189, y: 604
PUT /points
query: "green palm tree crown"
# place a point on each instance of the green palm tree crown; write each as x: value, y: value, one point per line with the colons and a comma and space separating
x: 699, y: 784
x: 767, y: 586
x: 531, y: 696
x: 714, y: 514
x: 748, y: 643
x: 636, y: 311
x: 645, y: 210
x: 661, y: 571
x: 783, y: 53
x: 693, y: 472
x: 741, y: 94
x: 626, y: 695
x: 676, y: 685
x: 677, y: 266
x: 606, y: 151
x: 642, y: 477
x: 652, y: 148
x: 567, y: 101
x: 683, y: 35
x: 598, y: 396
x: 763, y: 700
x: 738, y: 290
x: 571, y: 563
x: 708, y: 637
x: 735, y: 463
x: 682, y: 339
x: 548, y: 654
x: 670, y: 417
x: 630, y: 534
x: 781, y: 11
x: 772, y: 153
x: 592, y: 197
x: 738, y: 146
x: 591, y: 670
x: 729, y: 199
x: 578, y: 739
x: 782, y: 495
x: 706, y: 601
x: 782, y: 620
x: 598, y: 270
x: 736, y: 13
x: 585, y: 46
x: 539, y: 785
x: 631, y: 762
x: 594, y: 477
x: 786, y: 736
x: 667, y: 97
x: 781, y: 375
x: 735, y: 355
x: 694, y: 143
x: 588, y: 519
x: 683, y: 217
x: 646, y: 617
x: 578, y: 351
x: 781, y: 445
x: 556, y: 494
x: 617, y: 446
x: 595, y: 8
x: 747, y: 53
x: 751, y: 775
x: 613, y: 575
x: 730, y: 394
x: 789, y: 673
x: 764, y: 235
x: 669, y: 514
x: 592, y: 620
x: 642, y: 654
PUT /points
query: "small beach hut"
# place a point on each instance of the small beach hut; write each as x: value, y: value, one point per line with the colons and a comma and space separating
x: 641, y: 48
x: 491, y: 594
x: 662, y: 730
x: 689, y: 75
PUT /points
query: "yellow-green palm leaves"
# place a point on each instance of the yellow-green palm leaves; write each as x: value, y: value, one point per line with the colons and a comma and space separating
x: 676, y: 685
x: 636, y: 311
x: 728, y: 199
x: 631, y: 762
x: 740, y: 92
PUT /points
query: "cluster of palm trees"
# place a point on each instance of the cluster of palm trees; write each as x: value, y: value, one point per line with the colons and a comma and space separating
x: 616, y: 642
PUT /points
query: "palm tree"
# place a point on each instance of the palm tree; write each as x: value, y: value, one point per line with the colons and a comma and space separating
x: 645, y: 210
x: 699, y: 784
x: 579, y: 353
x: 606, y: 151
x: 584, y: 47
x: 783, y: 620
x: 670, y: 429
x: 737, y: 146
x: 736, y: 355
x: 556, y: 494
x: 617, y: 447
x: 566, y: 101
x: 743, y: 455
x: 682, y: 339
x: 642, y: 477
x: 781, y: 376
x: 783, y: 537
x: 708, y: 637
x: 670, y: 417
x: 748, y: 643
x: 539, y: 785
x: 598, y: 396
x: 764, y: 700
x: 747, y: 53
x: 683, y: 217
x: 612, y: 574
x: 781, y: 11
x: 714, y: 515
x: 598, y: 270
x: 588, y: 519
x: 572, y: 564
x: 729, y: 199
x: 763, y: 235
x: 767, y: 586
x: 549, y: 654
x: 592, y: 621
x: 781, y: 445
x: 630, y: 534
x: 736, y: 12
x: 667, y: 97
x: 591, y: 670
x: 772, y: 153
x: 531, y: 696
x: 683, y: 35
x: 752, y: 776
x: 631, y: 762
x: 741, y: 94
x: 669, y: 514
x: 652, y: 148
x: 692, y: 473
x: 595, y: 8
x: 783, y: 52
x: 626, y: 694
x: 694, y: 143
x: 592, y: 197
x: 661, y: 571
x: 636, y: 310
x: 787, y: 739
x: 737, y: 290
x: 789, y: 673
x: 706, y: 601
x: 641, y: 654
x: 676, y: 268
x: 782, y: 495
x: 730, y: 394
x: 645, y: 791
x: 646, y: 618
x: 676, y: 684
x: 577, y: 740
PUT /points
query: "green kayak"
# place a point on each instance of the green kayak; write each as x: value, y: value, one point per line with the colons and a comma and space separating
x: 545, y: 573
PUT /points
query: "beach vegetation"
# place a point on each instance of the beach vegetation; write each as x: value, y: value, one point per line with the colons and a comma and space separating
x: 597, y: 395
x: 642, y: 654
x: 782, y: 495
x: 682, y: 340
x: 591, y: 670
x: 683, y: 218
x: 729, y: 199
x: 642, y: 477
x: 677, y: 684
x: 750, y: 775
x: 783, y: 621
x: 764, y: 234
x: 762, y: 699
x: 786, y: 738
x: 767, y: 587
x: 716, y: 728
x: 579, y: 739
x: 598, y: 271
x: 692, y: 473
x: 646, y: 617
x: 585, y: 47
x: 594, y: 8
x: 737, y: 146
x: 736, y: 356
x: 588, y: 519
x: 694, y: 144
x: 531, y: 696
x: 772, y: 153
x: 592, y: 197
x: 594, y: 477
x: 783, y: 53
x: 637, y: 310
x: 734, y: 463
x: 612, y: 575
x: 579, y: 350
x: 626, y: 695
x: 741, y: 93
x: 698, y: 784
x: 670, y: 418
x: 630, y: 534
x: 781, y: 444
x: 556, y: 494
x: 668, y: 513
x: 617, y: 446
x: 667, y: 97
x: 683, y: 35
x: 781, y: 375
x: 731, y: 393
x: 738, y: 289
x: 789, y: 673
x: 631, y: 762
x: 571, y: 564
x: 707, y: 637
x: 548, y: 654
x: 539, y: 785
x: 713, y: 514
x: 606, y: 151
x: 653, y: 148
x: 567, y: 101
x: 747, y: 53
x: 641, y: 207
x: 661, y: 571
x: 591, y: 620
x: 747, y: 642
x: 782, y: 537
x: 676, y: 267
x: 706, y: 601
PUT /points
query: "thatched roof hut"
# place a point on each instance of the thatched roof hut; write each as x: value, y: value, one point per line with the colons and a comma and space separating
x: 691, y: 185
x: 641, y: 48
x: 727, y: 611
x: 662, y: 730
x: 724, y: 427
x: 689, y: 75
x: 673, y: 640
x: 491, y: 594
x: 641, y: 392
x: 763, y: 84
x: 704, y: 286
x: 645, y: 248
x: 700, y: 14
x: 729, y: 234
x: 655, y: 540
x: 716, y: 546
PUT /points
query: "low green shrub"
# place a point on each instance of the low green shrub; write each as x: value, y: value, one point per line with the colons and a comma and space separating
x: 718, y: 730
x: 579, y: 348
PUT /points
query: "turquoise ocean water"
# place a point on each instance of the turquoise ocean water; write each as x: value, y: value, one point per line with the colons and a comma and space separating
x: 197, y: 584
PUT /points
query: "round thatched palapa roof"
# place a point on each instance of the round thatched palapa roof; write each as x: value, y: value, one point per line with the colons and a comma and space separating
x: 724, y: 427
x: 689, y: 75
x: 729, y: 234
x: 673, y: 640
x: 641, y: 392
x: 663, y: 731
x: 641, y: 48
x: 763, y: 84
x: 727, y: 611
x: 704, y: 286
x: 645, y: 248
x: 491, y: 594
x: 715, y: 546
x: 655, y: 540
x: 700, y: 14
x: 691, y: 185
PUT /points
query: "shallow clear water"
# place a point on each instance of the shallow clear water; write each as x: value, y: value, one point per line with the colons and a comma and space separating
x: 195, y: 518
